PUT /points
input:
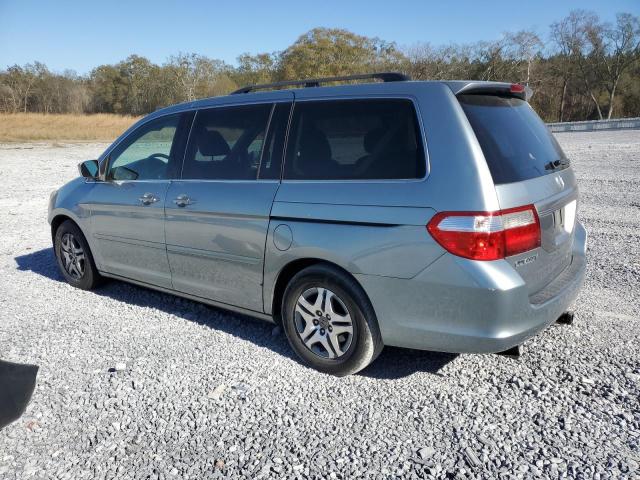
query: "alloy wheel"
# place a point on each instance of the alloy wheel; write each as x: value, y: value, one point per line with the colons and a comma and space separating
x: 323, y: 323
x: 73, y: 257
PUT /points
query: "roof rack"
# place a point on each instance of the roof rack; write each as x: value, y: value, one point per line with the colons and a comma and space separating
x: 315, y: 82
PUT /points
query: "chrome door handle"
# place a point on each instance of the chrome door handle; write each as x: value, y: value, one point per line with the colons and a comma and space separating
x: 148, y: 199
x: 183, y: 200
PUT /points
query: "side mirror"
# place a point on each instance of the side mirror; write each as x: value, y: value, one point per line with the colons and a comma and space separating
x: 89, y: 169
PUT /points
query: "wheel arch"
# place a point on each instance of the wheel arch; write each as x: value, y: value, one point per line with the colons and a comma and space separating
x: 288, y: 271
x: 57, y: 220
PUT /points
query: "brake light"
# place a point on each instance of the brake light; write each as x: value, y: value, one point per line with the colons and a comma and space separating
x: 487, y: 235
x: 517, y: 88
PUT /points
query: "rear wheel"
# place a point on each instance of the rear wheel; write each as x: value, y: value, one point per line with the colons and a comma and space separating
x: 74, y: 257
x: 329, y: 321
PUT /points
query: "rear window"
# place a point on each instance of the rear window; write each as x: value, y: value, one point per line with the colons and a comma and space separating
x: 516, y: 143
x: 226, y: 143
x: 354, y: 139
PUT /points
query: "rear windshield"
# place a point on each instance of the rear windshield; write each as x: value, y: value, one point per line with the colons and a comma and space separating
x: 516, y: 143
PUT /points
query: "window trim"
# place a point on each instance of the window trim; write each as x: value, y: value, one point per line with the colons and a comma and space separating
x: 417, y: 112
x: 191, y: 107
x: 290, y: 103
x: 293, y: 100
x: 232, y: 105
x: 182, y: 117
x: 267, y: 130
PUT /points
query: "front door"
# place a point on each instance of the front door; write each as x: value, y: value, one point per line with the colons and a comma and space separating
x: 217, y: 214
x: 127, y: 208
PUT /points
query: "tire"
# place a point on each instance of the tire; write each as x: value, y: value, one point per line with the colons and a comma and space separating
x: 337, y: 301
x: 74, y: 257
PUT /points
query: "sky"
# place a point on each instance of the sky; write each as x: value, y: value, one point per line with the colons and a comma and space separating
x: 81, y: 35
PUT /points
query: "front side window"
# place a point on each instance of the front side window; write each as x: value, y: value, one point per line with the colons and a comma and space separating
x: 226, y: 143
x: 148, y: 152
x: 374, y: 139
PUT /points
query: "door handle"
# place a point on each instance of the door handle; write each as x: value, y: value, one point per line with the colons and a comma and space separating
x: 183, y: 200
x: 148, y: 199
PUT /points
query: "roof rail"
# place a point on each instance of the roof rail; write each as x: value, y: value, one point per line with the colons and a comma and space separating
x: 315, y: 82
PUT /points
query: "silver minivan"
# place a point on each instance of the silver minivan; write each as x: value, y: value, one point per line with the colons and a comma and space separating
x: 428, y: 215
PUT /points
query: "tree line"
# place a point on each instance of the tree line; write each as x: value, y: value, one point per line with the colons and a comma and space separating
x: 583, y: 68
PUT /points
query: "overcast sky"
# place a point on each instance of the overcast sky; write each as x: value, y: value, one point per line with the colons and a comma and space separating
x: 80, y: 35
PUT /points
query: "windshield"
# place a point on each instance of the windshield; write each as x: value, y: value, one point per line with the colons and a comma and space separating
x: 516, y: 143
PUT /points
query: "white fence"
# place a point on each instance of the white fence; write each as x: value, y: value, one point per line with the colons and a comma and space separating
x: 591, y: 125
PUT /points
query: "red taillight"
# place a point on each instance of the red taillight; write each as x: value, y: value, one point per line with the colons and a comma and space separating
x: 517, y: 88
x: 487, y: 235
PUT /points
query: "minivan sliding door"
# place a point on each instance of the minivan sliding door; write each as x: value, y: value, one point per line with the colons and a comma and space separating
x: 217, y: 214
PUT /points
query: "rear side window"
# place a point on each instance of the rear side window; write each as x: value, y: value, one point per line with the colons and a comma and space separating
x: 226, y: 143
x: 516, y: 143
x: 355, y: 140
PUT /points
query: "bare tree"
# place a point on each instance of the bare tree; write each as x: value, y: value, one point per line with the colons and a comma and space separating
x: 199, y: 76
x: 522, y: 48
x: 21, y: 81
x: 620, y: 50
x: 571, y: 36
x: 563, y: 66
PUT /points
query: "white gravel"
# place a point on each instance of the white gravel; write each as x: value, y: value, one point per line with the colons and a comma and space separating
x: 139, y: 384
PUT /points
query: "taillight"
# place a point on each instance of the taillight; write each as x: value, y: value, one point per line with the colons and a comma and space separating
x: 487, y: 235
x: 516, y: 88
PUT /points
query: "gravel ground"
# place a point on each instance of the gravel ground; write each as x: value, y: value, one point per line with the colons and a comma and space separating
x: 202, y: 393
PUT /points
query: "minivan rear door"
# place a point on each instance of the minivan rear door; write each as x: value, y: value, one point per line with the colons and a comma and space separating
x: 528, y: 167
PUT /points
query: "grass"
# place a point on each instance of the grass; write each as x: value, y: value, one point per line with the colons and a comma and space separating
x: 36, y: 127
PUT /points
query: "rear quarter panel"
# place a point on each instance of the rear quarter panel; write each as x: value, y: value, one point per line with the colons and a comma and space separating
x: 379, y: 227
x: 385, y: 241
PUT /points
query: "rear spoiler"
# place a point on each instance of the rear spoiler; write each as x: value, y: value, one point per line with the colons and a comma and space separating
x: 516, y: 90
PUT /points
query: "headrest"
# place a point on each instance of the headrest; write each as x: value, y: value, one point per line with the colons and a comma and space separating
x: 372, y: 138
x: 315, y: 146
x: 212, y: 144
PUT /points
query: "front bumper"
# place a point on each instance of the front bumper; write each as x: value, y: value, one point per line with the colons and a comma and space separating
x: 465, y: 306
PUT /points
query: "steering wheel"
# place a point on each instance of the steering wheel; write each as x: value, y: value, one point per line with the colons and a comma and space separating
x: 156, y: 165
x: 159, y: 155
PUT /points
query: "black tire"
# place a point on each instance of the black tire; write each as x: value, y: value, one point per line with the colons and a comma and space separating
x: 89, y: 278
x: 365, y: 343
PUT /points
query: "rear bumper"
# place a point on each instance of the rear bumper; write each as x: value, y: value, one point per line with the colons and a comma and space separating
x: 459, y: 305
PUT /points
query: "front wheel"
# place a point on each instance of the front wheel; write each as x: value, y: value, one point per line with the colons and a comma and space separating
x: 329, y: 321
x: 74, y: 257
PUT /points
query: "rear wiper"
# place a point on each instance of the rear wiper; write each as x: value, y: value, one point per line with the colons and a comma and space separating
x: 552, y: 165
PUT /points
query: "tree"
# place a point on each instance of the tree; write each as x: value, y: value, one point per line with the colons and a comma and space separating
x: 255, y: 69
x: 20, y: 82
x: 426, y: 62
x: 324, y: 52
x: 589, y: 69
x: 602, y: 52
x: 137, y: 74
x: 619, y: 52
x: 198, y: 76
x: 108, y: 90
x: 581, y: 35
x: 522, y: 48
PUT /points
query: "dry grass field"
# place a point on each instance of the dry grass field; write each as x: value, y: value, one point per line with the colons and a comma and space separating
x: 29, y: 127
